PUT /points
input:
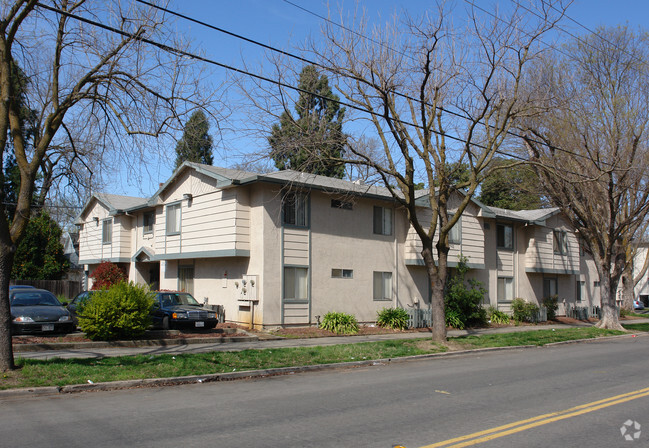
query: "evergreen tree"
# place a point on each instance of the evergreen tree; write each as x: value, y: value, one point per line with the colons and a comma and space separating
x: 40, y: 253
x: 196, y: 142
x: 515, y: 187
x: 314, y: 141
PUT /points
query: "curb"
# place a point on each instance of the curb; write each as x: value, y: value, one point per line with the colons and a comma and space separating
x: 262, y: 373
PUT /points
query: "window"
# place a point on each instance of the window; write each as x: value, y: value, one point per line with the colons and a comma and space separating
x: 382, y: 221
x: 596, y: 284
x: 455, y: 235
x: 148, y: 222
x: 581, y: 290
x: 342, y: 273
x: 294, y: 209
x: 173, y: 219
x: 382, y: 285
x: 335, y: 203
x: 186, y: 279
x: 560, y: 242
x: 504, y: 236
x: 505, y: 289
x: 295, y: 283
x: 106, y: 231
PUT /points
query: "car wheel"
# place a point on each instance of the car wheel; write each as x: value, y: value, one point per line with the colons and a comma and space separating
x: 165, y: 323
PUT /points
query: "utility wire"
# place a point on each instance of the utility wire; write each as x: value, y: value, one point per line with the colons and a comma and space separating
x: 311, y: 62
x: 190, y: 55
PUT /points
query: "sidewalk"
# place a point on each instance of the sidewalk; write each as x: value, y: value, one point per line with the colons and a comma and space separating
x: 252, y: 341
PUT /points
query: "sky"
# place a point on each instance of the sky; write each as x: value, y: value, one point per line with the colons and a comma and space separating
x: 282, y: 24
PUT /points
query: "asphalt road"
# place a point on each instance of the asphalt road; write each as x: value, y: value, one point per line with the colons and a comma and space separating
x: 414, y: 404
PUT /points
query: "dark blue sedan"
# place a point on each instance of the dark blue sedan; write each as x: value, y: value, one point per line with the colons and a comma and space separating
x: 176, y: 310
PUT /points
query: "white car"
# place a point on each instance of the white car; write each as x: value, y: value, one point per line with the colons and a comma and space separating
x: 638, y: 305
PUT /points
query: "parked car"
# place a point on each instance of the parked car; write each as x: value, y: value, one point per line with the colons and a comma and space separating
x: 12, y: 287
x: 180, y: 310
x: 638, y: 305
x: 38, y: 311
x: 76, y: 303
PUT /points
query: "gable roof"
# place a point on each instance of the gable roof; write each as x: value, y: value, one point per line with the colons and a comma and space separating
x: 113, y: 202
x: 537, y: 216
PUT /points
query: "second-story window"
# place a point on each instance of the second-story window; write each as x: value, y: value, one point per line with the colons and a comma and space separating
x: 149, y: 221
x: 455, y: 235
x: 295, y: 209
x: 382, y: 221
x: 560, y: 242
x: 106, y: 231
x: 173, y: 219
x: 504, y: 236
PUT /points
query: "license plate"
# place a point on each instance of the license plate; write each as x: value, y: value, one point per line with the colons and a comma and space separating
x: 200, y: 324
x: 47, y: 327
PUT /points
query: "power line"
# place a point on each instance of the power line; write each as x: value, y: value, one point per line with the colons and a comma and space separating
x: 187, y: 54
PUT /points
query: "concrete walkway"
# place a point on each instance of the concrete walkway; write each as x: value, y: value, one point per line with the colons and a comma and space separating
x: 253, y: 341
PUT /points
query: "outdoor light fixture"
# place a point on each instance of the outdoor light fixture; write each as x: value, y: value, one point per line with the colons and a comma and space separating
x: 96, y: 219
x: 188, y: 196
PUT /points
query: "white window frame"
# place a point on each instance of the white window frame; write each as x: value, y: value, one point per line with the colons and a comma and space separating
x: 174, y: 219
x: 382, y: 220
x: 296, y: 284
x: 560, y: 242
x: 455, y: 234
x: 382, y: 286
x: 505, y: 289
x: 107, y: 231
x: 147, y: 228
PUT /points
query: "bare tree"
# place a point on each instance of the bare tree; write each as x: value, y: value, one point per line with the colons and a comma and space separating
x: 591, y: 146
x: 99, y: 89
x: 436, y: 97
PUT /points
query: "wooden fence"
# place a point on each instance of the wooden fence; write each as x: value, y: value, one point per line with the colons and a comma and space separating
x: 65, y: 288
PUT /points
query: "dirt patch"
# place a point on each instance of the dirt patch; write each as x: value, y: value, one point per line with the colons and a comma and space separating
x: 76, y: 337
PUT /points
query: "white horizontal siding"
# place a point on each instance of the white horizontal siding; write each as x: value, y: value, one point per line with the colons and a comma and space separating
x: 296, y: 247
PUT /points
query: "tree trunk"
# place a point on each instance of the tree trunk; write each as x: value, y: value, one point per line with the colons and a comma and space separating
x: 609, y: 318
x: 437, y: 296
x: 6, y: 350
x: 627, y: 288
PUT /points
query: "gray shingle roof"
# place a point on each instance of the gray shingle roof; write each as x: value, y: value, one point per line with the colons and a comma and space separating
x: 117, y: 202
x: 536, y: 215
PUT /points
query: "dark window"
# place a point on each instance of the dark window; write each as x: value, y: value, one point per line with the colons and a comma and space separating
x: 107, y: 231
x: 504, y: 236
x: 294, y: 209
x: 335, y: 203
x: 149, y: 221
x: 382, y: 221
x: 560, y: 242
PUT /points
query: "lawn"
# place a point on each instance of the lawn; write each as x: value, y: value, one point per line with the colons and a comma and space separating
x: 60, y: 372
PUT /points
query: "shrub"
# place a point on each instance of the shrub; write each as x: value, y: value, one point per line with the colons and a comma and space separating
x: 106, y: 275
x: 523, y: 311
x: 120, y: 312
x: 551, y: 304
x: 464, y: 299
x: 497, y: 317
x: 454, y: 320
x: 395, y: 318
x: 339, y: 323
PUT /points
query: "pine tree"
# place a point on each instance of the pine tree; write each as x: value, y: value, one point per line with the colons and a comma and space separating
x: 314, y: 141
x: 196, y: 142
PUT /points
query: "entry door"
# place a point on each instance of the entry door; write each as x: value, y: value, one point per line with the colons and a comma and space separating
x: 186, y: 279
x: 550, y: 287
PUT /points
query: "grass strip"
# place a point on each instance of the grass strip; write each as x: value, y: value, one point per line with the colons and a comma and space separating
x: 637, y: 327
x: 61, y: 372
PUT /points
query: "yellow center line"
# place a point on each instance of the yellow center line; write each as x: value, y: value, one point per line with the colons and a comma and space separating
x: 522, y: 425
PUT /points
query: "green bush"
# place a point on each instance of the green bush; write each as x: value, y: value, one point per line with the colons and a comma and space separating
x: 339, y: 323
x: 454, y: 320
x: 120, y: 312
x: 551, y: 304
x: 463, y: 299
x: 523, y: 311
x: 395, y: 318
x: 497, y: 317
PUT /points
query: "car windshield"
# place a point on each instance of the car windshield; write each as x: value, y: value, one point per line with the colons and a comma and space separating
x: 34, y: 299
x: 177, y: 298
